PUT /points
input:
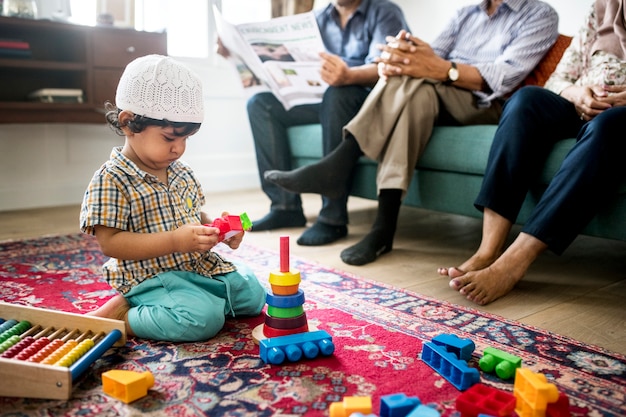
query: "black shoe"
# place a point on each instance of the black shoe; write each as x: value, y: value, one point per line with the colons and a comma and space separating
x: 321, y: 234
x: 279, y: 219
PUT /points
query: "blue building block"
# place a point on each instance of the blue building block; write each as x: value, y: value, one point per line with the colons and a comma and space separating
x: 285, y: 301
x: 424, y: 411
x: 455, y: 370
x: 292, y: 347
x: 462, y: 348
x: 397, y: 405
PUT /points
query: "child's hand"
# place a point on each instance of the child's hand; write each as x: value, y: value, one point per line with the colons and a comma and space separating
x: 195, y: 238
x: 233, y: 242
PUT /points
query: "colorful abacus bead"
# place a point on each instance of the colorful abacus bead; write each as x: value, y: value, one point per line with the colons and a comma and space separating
x: 7, y: 325
x: 55, y: 356
x: 32, y: 349
x: 46, y: 351
x: 9, y: 342
x: 73, y: 355
x: 18, y: 347
x: 14, y: 330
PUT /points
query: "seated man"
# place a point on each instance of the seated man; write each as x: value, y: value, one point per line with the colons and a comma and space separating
x: 584, y: 98
x: 350, y: 30
x: 462, y: 78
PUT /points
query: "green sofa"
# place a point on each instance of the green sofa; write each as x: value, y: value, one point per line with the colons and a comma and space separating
x: 449, y: 174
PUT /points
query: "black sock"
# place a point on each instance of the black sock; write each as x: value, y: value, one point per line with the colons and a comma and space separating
x: 331, y: 176
x: 322, y: 234
x: 389, y: 202
x: 380, y: 239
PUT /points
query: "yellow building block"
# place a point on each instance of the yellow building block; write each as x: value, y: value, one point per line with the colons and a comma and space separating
x: 533, y: 393
x: 350, y: 405
x: 126, y: 386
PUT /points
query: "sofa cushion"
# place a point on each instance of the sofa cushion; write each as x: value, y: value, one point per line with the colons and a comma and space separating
x: 306, y: 141
x: 540, y: 74
x: 462, y: 149
x: 459, y: 149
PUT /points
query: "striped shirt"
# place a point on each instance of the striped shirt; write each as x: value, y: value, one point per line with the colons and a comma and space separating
x: 504, y: 47
x: 122, y: 196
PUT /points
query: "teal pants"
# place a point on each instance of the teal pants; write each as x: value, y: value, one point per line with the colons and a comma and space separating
x: 181, y: 306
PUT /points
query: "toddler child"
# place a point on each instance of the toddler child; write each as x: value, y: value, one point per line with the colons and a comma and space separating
x: 144, y: 207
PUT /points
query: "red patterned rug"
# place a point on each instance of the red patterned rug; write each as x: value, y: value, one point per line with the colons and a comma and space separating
x: 378, y: 332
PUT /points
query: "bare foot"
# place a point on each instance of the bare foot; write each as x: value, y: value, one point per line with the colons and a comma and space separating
x: 451, y: 272
x: 498, y: 279
x: 495, y: 231
x: 475, y: 263
x: 486, y: 285
x: 115, y: 308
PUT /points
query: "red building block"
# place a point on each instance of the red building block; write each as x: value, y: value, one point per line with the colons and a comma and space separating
x: 482, y: 399
x: 560, y: 408
x: 228, y: 225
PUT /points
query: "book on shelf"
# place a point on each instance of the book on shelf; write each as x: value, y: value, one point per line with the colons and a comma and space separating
x: 15, y: 53
x: 280, y: 55
x: 14, y: 44
x: 14, y: 48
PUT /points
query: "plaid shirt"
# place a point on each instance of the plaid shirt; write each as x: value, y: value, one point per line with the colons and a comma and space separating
x: 122, y: 196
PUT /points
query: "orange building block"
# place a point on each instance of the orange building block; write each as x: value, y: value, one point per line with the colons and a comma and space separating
x: 350, y: 405
x: 126, y: 386
x: 533, y: 393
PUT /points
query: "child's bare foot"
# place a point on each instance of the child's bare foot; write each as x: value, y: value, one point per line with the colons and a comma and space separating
x: 115, y: 308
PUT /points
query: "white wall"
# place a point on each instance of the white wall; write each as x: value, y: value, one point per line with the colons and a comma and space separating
x: 50, y: 164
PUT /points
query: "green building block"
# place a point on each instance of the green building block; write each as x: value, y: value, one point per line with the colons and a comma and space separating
x: 503, y: 363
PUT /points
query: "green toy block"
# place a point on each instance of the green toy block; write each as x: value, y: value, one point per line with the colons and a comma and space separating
x: 503, y: 363
x: 246, y: 223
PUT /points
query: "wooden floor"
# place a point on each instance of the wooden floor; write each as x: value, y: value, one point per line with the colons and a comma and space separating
x: 581, y: 294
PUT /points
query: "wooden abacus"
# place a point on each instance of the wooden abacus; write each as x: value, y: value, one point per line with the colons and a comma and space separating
x: 31, y: 375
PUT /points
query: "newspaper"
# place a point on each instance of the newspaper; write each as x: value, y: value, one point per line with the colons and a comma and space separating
x: 280, y: 55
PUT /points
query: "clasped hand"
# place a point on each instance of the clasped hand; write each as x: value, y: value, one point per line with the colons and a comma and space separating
x: 405, y: 54
x: 591, y: 101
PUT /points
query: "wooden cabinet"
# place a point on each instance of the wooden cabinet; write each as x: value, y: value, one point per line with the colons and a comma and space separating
x: 66, y: 56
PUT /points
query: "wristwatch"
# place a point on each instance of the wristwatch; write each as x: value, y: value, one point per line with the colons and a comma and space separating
x: 453, y: 73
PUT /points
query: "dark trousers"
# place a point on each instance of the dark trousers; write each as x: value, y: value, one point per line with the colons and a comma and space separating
x: 269, y: 122
x: 533, y: 120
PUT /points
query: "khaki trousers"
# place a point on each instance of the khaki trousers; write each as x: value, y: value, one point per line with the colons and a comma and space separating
x: 397, y: 119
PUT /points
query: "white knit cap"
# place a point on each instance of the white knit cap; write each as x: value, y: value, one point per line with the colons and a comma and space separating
x: 160, y: 88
